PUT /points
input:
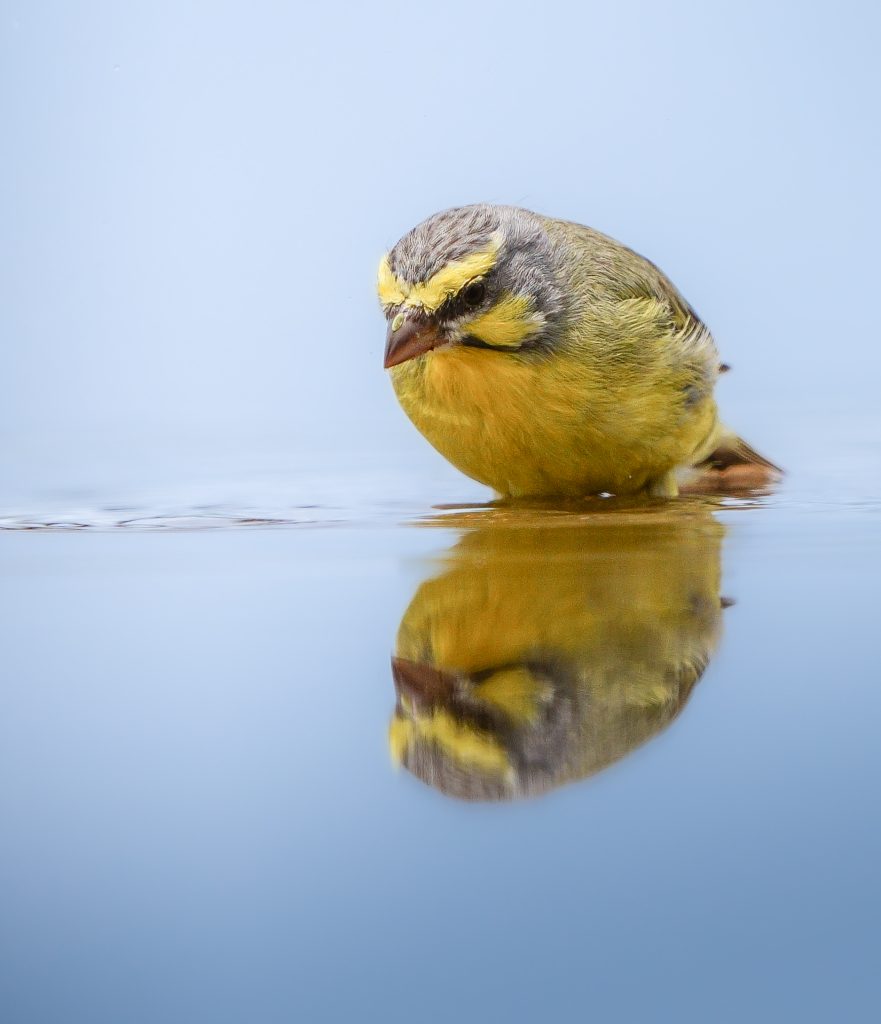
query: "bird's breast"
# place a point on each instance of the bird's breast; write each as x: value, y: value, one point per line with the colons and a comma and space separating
x: 539, y: 424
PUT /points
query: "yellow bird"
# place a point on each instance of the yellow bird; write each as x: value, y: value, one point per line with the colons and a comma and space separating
x: 553, y: 645
x: 541, y: 357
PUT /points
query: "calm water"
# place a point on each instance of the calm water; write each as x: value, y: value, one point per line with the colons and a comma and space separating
x: 624, y: 765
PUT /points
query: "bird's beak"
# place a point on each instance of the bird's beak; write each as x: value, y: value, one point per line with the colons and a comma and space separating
x: 423, y: 683
x: 410, y: 338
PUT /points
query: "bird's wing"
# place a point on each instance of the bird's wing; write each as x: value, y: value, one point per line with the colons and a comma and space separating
x: 622, y: 290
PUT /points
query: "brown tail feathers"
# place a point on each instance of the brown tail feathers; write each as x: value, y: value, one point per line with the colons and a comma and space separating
x: 731, y: 467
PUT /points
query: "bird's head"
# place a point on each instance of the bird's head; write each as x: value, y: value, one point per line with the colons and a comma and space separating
x: 480, y: 276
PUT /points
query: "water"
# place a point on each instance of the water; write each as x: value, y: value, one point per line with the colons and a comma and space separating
x: 623, y: 765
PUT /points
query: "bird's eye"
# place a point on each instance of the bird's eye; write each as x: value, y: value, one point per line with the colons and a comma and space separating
x: 473, y: 294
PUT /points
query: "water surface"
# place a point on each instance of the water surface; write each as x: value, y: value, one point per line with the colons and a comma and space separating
x: 267, y: 762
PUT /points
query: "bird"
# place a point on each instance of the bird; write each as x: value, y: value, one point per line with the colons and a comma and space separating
x: 548, y: 647
x: 543, y: 358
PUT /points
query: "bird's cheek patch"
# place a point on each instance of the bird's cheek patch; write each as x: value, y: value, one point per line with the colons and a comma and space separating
x: 507, y: 324
x: 516, y: 692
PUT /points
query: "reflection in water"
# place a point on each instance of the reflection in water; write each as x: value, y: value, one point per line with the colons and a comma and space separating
x: 552, y: 646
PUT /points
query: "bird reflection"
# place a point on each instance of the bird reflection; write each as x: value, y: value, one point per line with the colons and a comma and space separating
x: 553, y: 645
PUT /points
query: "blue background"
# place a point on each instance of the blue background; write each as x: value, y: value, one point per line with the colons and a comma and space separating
x: 195, y: 197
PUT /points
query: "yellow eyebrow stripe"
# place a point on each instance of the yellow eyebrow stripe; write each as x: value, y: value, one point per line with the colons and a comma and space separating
x: 464, y: 744
x: 448, y: 281
x: 391, y: 293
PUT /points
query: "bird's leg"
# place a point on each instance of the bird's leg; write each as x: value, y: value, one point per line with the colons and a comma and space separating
x: 665, y: 486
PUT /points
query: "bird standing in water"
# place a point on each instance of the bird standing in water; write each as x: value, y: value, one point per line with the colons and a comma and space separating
x: 543, y: 358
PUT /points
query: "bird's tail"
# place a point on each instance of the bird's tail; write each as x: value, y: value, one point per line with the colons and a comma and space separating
x: 732, y: 465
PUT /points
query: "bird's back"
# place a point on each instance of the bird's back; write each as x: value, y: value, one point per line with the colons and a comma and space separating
x: 653, y: 359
